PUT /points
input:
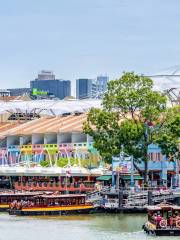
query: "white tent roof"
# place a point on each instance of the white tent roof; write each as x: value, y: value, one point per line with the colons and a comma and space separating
x: 49, y: 107
x: 169, y: 78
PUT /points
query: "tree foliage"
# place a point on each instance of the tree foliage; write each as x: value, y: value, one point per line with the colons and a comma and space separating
x: 168, y: 138
x: 129, y: 109
x: 62, y: 162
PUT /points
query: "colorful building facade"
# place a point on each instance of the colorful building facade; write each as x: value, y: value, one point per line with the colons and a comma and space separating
x: 160, y: 170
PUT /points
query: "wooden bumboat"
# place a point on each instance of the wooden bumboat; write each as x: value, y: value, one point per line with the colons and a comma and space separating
x: 163, y: 220
x: 53, y: 205
x: 6, y: 198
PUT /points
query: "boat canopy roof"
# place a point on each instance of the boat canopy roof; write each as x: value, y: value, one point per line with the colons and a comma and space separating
x: 176, y: 208
x: 20, y: 194
x: 61, y: 196
x: 163, y: 206
x: 153, y: 208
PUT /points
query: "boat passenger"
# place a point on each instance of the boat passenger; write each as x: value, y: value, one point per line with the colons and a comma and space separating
x: 171, y: 221
x: 158, y: 220
x: 177, y: 216
x: 174, y: 220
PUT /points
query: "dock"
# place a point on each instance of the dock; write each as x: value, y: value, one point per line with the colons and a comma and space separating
x: 128, y: 201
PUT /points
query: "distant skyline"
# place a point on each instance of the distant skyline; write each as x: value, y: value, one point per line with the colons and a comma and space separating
x: 85, y: 38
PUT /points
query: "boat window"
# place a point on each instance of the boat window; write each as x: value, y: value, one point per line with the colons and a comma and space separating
x: 56, y: 202
x: 4, y: 199
x: 82, y: 200
x: 77, y: 201
x: 63, y: 202
x: 74, y: 201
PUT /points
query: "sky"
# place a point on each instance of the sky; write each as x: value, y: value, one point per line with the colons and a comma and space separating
x: 85, y: 38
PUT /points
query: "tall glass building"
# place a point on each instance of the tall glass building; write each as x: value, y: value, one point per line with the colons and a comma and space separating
x: 102, y: 82
x: 85, y: 88
x: 47, y: 82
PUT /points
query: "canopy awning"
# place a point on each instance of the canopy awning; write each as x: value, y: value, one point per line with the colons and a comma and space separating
x: 128, y: 177
x: 104, y: 178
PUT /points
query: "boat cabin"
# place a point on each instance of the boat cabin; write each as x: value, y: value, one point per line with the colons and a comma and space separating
x: 54, y: 204
x: 7, y: 198
x: 164, y: 216
x: 52, y: 200
x: 59, y: 200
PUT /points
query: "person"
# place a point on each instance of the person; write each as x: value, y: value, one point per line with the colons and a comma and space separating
x: 177, y: 216
x: 171, y: 221
x: 174, y: 220
x: 158, y: 220
x: 177, y: 220
x: 154, y: 216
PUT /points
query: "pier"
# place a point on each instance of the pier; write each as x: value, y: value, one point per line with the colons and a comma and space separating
x: 111, y: 200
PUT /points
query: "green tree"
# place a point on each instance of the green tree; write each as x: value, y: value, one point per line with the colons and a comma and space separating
x: 62, y: 162
x: 168, y: 138
x: 129, y: 109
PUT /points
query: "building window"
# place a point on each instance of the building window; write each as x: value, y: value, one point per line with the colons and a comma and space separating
x: 158, y: 156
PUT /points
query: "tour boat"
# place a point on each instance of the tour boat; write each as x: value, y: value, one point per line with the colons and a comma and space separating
x: 54, y: 204
x: 163, y: 220
x: 7, y: 197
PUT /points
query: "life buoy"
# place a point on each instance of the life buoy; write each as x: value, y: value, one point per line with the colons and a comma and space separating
x: 178, y: 223
x: 163, y: 223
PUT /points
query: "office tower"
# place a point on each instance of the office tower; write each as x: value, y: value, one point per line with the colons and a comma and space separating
x: 85, y: 88
x: 47, y: 83
x: 102, y: 84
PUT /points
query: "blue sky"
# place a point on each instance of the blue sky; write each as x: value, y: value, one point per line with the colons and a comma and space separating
x: 83, y: 38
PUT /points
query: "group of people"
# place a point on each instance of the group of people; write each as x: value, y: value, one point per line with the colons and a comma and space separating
x: 19, y: 204
x: 173, y: 220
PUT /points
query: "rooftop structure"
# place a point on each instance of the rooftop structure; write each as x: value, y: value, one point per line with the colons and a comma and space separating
x: 44, y: 125
x: 173, y: 95
x: 49, y: 107
x: 46, y: 75
x: 167, y: 79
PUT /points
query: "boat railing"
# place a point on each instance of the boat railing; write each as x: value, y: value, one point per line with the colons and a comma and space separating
x: 54, y: 186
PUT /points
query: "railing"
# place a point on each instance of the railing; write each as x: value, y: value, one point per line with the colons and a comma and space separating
x: 30, y: 150
x: 139, y: 199
x: 38, y: 186
x: 38, y: 147
x: 13, y: 148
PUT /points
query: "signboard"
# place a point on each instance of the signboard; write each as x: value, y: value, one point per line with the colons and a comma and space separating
x: 36, y: 92
x: 121, y: 165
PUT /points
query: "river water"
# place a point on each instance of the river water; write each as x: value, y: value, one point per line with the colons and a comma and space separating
x: 83, y: 227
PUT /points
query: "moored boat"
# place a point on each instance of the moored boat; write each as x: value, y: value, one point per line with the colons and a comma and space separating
x: 163, y: 220
x: 54, y: 204
x: 7, y: 197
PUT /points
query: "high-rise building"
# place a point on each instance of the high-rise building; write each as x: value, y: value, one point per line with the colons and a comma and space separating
x: 47, y: 83
x: 91, y: 88
x: 102, y: 84
x: 85, y: 88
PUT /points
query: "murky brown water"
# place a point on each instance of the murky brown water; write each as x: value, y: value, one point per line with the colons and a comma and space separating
x: 84, y: 227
